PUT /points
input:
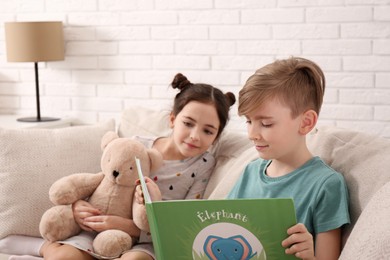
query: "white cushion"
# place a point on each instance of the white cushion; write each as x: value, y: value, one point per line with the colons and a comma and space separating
x: 363, y: 159
x: 233, y: 152
x: 31, y: 160
x: 371, y: 235
x: 144, y: 121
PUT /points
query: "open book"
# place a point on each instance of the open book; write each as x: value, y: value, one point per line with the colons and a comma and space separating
x: 218, y: 229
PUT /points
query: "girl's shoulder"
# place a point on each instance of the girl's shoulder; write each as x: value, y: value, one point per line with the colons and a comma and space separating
x: 202, y: 162
x: 208, y: 157
x: 148, y: 141
x: 204, y: 159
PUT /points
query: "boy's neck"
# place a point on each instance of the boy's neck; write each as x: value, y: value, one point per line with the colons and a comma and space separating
x: 283, y: 166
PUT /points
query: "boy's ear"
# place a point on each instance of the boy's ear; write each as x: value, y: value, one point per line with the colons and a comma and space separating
x: 309, y: 120
x: 171, y: 120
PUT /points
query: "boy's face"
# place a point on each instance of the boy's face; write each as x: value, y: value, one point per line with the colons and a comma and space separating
x: 195, y: 128
x: 274, y: 132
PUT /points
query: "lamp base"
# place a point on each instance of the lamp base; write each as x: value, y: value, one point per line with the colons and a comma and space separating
x: 36, y: 119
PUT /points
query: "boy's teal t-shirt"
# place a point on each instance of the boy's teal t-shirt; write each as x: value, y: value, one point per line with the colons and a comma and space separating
x: 320, y: 194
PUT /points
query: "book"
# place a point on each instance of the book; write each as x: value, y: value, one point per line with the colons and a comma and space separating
x: 219, y: 229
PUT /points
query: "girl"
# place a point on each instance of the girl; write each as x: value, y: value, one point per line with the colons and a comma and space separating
x: 199, y: 115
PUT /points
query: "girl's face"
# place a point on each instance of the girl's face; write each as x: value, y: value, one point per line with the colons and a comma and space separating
x: 195, y: 128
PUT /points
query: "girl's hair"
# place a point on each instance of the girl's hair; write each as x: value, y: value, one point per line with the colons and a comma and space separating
x: 203, y: 93
x: 296, y: 82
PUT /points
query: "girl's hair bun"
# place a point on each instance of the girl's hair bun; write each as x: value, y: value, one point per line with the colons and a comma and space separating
x: 180, y: 82
x: 230, y: 98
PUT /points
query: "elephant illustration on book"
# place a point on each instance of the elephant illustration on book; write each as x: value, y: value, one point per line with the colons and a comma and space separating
x: 235, y: 247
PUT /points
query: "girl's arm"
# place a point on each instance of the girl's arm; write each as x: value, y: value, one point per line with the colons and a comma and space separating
x: 81, y: 210
x: 300, y: 243
x: 105, y: 222
x: 89, y: 219
x: 154, y: 191
x: 100, y: 222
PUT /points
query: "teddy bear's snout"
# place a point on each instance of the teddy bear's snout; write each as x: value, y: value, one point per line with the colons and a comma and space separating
x: 115, y: 173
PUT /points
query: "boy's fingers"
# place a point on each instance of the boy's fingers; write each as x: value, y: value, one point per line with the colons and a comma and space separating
x: 297, y: 234
x: 298, y: 247
x: 298, y: 228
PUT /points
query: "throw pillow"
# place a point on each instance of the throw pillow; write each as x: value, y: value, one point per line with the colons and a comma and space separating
x: 371, y: 235
x: 360, y: 157
x: 31, y: 160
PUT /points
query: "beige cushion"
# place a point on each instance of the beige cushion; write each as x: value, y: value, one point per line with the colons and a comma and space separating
x: 144, y: 121
x: 31, y: 160
x: 362, y: 159
x: 371, y: 235
x: 233, y: 152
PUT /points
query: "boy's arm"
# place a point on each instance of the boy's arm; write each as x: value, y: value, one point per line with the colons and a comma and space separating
x: 300, y: 243
x: 328, y: 244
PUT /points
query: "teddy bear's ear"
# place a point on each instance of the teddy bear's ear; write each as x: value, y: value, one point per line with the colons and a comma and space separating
x: 156, y: 159
x: 107, y: 138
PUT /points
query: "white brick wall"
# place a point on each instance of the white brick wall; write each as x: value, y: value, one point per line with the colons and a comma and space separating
x: 125, y: 52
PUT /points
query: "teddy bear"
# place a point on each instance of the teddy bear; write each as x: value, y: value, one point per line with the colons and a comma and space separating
x: 111, y: 191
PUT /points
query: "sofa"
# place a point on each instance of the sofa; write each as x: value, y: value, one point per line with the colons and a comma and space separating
x: 31, y: 160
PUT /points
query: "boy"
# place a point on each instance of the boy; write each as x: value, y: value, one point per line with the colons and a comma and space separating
x: 281, y: 103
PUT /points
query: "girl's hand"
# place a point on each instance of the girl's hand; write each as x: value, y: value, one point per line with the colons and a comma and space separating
x: 81, y: 210
x: 101, y: 223
x: 153, y: 189
x: 299, y: 243
x: 105, y: 222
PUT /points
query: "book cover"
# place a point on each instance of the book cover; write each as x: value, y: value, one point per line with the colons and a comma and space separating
x: 219, y: 229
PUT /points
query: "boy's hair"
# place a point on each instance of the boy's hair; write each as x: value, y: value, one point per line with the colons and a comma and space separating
x: 203, y: 93
x: 297, y: 82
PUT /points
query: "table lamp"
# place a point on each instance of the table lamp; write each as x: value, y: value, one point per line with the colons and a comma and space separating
x: 34, y: 42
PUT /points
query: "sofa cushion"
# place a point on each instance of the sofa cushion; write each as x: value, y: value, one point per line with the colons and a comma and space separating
x: 144, y: 121
x: 31, y: 160
x: 363, y: 159
x: 371, y: 235
x: 233, y: 152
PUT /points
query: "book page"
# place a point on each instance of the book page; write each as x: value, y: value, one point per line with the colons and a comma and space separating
x: 142, y: 180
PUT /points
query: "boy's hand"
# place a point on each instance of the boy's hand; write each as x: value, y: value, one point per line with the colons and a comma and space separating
x: 81, y: 210
x: 153, y: 189
x: 299, y: 243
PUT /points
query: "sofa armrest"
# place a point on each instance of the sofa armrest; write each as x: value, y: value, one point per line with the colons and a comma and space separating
x: 371, y: 234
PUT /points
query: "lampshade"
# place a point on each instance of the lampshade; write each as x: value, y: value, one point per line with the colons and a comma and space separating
x: 34, y: 41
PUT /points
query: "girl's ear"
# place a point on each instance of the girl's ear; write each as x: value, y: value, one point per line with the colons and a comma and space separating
x: 172, y: 118
x: 309, y: 120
